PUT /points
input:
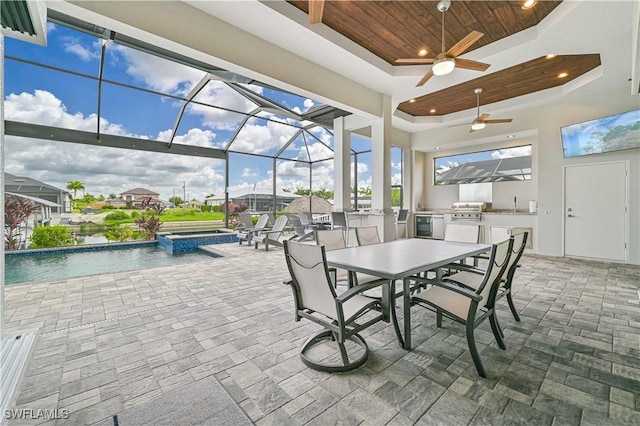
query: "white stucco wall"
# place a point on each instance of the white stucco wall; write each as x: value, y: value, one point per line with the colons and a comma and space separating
x: 539, y: 126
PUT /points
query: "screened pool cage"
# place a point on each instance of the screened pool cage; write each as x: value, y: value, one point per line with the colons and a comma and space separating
x: 232, y: 114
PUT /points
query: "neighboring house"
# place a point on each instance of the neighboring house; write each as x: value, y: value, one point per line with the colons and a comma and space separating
x: 42, y: 216
x: 60, y: 199
x: 133, y: 198
x: 258, y: 200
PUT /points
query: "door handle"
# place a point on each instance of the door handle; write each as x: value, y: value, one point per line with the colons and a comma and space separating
x: 570, y: 215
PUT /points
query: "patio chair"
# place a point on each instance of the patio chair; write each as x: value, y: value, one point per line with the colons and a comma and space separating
x: 249, y: 233
x: 246, y: 221
x: 469, y: 308
x: 471, y: 277
x: 272, y: 220
x: 301, y: 232
x: 271, y: 236
x: 342, y: 317
x: 333, y: 239
x: 401, y: 223
x: 367, y: 235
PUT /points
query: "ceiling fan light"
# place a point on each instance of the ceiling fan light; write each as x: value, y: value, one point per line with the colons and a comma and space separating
x: 443, y: 66
x: 528, y: 4
x: 477, y: 125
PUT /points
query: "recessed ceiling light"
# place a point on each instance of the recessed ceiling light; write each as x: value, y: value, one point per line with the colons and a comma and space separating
x: 563, y: 74
x: 432, y: 110
x: 423, y: 52
x: 528, y: 4
x: 411, y: 101
x: 511, y: 136
x: 436, y: 148
x: 551, y: 56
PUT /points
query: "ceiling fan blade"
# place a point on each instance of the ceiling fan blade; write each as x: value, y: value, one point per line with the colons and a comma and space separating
x: 483, y: 118
x: 416, y: 61
x: 316, y: 7
x: 468, y: 64
x: 465, y: 43
x: 424, y: 79
x: 498, y: 120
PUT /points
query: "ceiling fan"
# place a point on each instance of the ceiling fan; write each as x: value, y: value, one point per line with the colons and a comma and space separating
x: 316, y: 7
x: 446, y: 61
x: 480, y: 122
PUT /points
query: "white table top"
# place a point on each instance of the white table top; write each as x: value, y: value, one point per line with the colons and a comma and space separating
x: 400, y: 258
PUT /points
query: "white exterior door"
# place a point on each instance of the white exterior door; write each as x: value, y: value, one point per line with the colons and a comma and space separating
x: 595, y: 211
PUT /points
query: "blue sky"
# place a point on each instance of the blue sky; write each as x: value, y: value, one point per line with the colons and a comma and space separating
x: 39, y: 95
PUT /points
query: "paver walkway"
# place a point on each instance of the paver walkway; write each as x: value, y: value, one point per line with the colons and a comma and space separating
x: 112, y: 342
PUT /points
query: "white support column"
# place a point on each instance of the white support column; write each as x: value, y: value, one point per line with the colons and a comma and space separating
x: 381, y: 134
x: 341, y: 166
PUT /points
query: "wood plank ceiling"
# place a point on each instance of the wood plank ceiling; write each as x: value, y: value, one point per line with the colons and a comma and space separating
x: 400, y: 29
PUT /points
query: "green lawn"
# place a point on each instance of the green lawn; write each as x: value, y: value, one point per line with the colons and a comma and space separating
x: 174, y: 215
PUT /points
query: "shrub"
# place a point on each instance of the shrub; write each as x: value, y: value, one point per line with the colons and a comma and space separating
x: 120, y: 233
x: 51, y: 236
x: 217, y: 209
x: 117, y: 215
x: 135, y: 214
x: 205, y: 208
x: 107, y: 207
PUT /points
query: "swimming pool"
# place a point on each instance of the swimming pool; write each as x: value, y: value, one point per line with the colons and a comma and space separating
x: 60, y: 265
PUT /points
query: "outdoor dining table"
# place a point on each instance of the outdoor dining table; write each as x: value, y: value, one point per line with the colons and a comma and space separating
x: 399, y: 260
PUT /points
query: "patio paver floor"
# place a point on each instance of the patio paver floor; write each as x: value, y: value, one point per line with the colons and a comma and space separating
x: 114, y: 341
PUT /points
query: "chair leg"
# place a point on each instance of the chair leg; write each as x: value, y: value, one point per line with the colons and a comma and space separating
x: 497, y: 331
x: 343, y: 353
x: 471, y: 340
x: 512, y: 307
x: 439, y: 319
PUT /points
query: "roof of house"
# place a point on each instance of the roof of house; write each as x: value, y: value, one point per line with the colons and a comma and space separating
x: 249, y: 191
x: 318, y: 205
x: 24, y: 184
x: 140, y: 191
x: 36, y: 200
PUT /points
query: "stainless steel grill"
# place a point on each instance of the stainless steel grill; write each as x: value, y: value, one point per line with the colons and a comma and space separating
x: 470, y: 212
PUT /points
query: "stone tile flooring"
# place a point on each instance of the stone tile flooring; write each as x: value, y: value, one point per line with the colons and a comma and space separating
x: 112, y: 342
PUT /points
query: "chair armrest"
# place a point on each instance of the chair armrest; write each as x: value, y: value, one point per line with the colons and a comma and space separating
x: 360, y: 289
x: 460, y: 290
x: 466, y: 268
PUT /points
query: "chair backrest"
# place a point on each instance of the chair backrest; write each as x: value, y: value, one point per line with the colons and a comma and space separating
x: 294, y: 220
x: 462, y: 233
x: 272, y: 219
x: 498, y: 262
x: 402, y: 216
x: 262, y: 221
x: 281, y: 222
x: 331, y: 239
x: 246, y: 219
x: 519, y: 243
x: 304, y: 219
x: 367, y: 235
x: 339, y: 219
x: 311, y: 281
x: 499, y: 233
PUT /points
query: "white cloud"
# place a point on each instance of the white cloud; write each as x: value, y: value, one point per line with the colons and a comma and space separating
x: 247, y: 172
x: 308, y: 103
x: 85, y: 53
x: 104, y: 170
x: 520, y: 151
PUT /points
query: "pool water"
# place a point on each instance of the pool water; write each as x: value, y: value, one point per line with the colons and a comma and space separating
x: 59, y: 266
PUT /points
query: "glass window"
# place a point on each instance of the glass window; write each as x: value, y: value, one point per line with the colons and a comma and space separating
x: 499, y: 165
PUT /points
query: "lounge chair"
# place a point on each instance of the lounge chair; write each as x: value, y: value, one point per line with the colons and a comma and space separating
x: 273, y: 235
x: 250, y: 233
x: 301, y: 232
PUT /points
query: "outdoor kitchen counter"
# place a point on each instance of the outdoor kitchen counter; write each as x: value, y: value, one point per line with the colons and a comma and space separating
x: 497, y: 211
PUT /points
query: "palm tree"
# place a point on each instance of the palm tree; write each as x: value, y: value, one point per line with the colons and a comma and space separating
x: 75, y: 185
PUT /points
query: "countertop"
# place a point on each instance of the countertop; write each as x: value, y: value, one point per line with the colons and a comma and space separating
x: 493, y: 211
